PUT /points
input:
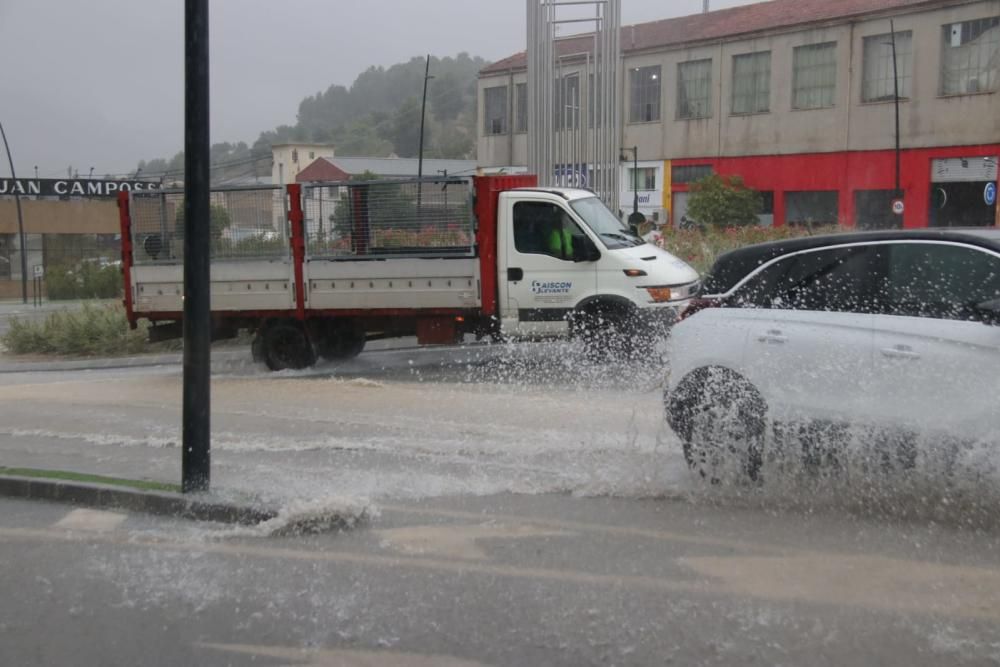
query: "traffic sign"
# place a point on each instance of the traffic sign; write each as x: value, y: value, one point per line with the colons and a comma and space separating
x: 39, y: 270
x: 990, y: 194
x: 898, y: 206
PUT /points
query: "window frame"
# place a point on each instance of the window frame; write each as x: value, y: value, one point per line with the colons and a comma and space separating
x: 702, y: 104
x: 566, y: 215
x: 890, y: 308
x: 824, y: 69
x: 756, y: 75
x: 993, y: 23
x: 487, y: 120
x: 641, y: 94
x: 904, y: 62
x: 645, y: 172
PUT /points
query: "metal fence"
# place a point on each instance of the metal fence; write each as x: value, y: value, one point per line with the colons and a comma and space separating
x: 420, y: 218
x: 246, y: 223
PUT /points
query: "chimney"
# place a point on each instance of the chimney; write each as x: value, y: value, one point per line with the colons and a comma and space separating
x: 704, y: 7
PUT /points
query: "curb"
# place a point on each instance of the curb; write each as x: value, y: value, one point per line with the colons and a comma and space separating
x: 159, y: 503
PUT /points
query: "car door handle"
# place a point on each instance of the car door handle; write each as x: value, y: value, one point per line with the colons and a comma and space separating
x: 514, y: 275
x: 900, y: 352
x: 773, y: 337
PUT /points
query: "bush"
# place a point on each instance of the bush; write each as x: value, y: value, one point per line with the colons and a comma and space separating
x: 92, y: 330
x: 700, y: 248
x: 724, y: 201
x: 87, y: 280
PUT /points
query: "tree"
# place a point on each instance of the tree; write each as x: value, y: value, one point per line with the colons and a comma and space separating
x: 724, y: 201
x: 220, y: 221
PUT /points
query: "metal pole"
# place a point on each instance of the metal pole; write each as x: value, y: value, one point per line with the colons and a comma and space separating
x: 196, y: 461
x: 20, y: 222
x: 895, y: 84
x: 420, y: 150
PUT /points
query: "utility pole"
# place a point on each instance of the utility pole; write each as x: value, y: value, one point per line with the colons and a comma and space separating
x: 636, y: 218
x: 20, y: 222
x: 420, y: 150
x: 895, y: 84
x: 195, y: 458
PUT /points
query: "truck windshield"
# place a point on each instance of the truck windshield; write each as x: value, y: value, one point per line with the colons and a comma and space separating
x: 613, y: 232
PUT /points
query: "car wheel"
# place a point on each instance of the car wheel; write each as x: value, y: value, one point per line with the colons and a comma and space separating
x: 720, y: 418
x: 286, y: 346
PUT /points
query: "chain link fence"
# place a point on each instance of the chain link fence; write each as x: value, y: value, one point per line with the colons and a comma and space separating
x: 428, y: 218
x: 246, y: 223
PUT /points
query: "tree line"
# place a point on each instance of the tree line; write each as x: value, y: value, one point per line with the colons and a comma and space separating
x: 378, y: 115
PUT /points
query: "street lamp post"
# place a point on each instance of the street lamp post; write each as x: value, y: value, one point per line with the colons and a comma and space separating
x: 20, y: 221
x: 635, y: 218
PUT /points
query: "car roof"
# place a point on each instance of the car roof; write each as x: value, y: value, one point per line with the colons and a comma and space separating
x: 731, y: 267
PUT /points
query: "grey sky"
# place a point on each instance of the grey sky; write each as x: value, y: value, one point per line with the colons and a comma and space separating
x: 100, y: 83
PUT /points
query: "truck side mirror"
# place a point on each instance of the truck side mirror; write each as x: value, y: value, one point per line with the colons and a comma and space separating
x: 584, y: 250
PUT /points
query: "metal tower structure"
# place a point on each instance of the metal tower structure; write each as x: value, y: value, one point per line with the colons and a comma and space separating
x: 574, y: 115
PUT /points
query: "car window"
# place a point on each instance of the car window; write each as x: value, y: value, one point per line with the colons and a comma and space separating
x: 939, y: 280
x: 541, y: 228
x: 835, y: 280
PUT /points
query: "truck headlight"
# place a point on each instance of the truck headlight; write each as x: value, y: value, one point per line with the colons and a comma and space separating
x: 659, y: 294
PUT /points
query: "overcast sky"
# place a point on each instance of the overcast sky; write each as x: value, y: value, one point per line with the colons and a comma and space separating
x: 100, y: 83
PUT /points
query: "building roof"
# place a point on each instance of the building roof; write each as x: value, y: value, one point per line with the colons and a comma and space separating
x: 341, y: 168
x: 730, y: 23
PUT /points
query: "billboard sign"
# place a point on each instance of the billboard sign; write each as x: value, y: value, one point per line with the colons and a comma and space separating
x: 72, y: 187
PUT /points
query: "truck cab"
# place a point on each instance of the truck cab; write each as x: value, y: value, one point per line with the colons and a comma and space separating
x: 567, y: 265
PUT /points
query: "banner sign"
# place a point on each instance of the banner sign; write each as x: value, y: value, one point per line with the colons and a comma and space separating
x: 71, y: 187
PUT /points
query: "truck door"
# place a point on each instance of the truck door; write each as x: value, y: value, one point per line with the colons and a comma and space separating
x: 544, y: 272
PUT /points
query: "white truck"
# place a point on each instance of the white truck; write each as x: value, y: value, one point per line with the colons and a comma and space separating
x: 318, y: 269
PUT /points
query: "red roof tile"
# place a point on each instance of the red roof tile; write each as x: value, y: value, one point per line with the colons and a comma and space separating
x: 322, y: 169
x: 727, y: 23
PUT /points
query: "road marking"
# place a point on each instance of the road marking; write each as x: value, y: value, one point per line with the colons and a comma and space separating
x: 871, y: 582
x: 584, y: 527
x: 343, y: 658
x: 91, y: 520
x: 458, y: 541
x: 866, y: 582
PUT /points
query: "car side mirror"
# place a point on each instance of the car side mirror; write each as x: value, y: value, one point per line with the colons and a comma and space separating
x: 584, y: 250
x: 989, y: 311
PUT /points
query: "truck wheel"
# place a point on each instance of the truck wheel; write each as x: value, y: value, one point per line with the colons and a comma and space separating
x: 286, y: 345
x: 341, y: 343
x: 607, y: 333
x: 257, y: 348
x: 720, y: 418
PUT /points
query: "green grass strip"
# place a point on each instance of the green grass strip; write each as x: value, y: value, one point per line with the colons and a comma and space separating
x: 141, y: 485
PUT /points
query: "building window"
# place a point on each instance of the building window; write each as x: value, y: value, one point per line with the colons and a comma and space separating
x: 811, y: 209
x: 642, y: 179
x: 567, y: 102
x: 495, y: 107
x: 295, y: 156
x: 814, y: 76
x: 694, y: 89
x: 877, y: 84
x: 873, y: 210
x: 752, y: 83
x: 312, y: 155
x: 644, y: 94
x: 691, y: 173
x: 521, y: 104
x: 970, y: 57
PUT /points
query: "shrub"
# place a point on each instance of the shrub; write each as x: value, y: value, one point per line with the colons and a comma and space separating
x: 699, y: 248
x: 86, y: 280
x: 724, y: 201
x: 92, y: 330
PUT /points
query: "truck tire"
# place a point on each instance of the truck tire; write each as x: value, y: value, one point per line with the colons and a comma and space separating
x: 339, y: 342
x: 607, y: 332
x: 286, y: 346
